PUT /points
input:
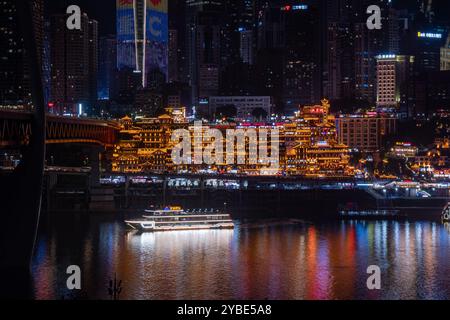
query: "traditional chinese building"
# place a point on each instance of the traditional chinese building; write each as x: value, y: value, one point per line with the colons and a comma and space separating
x: 307, y: 146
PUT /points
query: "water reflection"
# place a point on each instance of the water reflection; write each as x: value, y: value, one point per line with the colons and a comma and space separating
x: 263, y: 261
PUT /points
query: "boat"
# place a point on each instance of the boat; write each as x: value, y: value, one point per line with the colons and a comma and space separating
x: 175, y: 219
x: 446, y: 213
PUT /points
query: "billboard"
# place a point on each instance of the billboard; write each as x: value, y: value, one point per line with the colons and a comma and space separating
x: 157, y: 26
x: 130, y: 23
x: 158, y: 5
x: 157, y: 36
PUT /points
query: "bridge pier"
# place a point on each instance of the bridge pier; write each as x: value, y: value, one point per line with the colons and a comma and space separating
x: 101, y: 199
x: 95, y: 161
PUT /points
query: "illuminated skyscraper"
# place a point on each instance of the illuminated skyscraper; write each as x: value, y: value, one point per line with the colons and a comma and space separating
x: 142, y: 36
x: 15, y: 75
x: 395, y: 83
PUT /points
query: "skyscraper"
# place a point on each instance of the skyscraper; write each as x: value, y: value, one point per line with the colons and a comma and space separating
x: 427, y: 42
x: 368, y: 44
x: 173, y: 55
x: 142, y: 36
x: 15, y: 77
x: 340, y: 67
x: 302, y: 67
x: 74, y: 60
x: 46, y: 63
x: 395, y: 85
x: 107, y: 66
x: 290, y: 51
x: 247, y: 46
x: 178, y: 26
x: 204, y: 47
x: 238, y: 32
x: 445, y: 56
x: 93, y: 61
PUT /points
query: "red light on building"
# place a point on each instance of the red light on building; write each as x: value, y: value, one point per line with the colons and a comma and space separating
x: 317, y: 110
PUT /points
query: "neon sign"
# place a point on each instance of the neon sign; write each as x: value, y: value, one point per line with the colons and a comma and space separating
x: 295, y: 7
x: 429, y: 35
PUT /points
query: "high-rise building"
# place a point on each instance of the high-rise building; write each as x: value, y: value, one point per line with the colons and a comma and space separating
x: 395, y: 86
x: 368, y: 44
x: 247, y: 46
x: 46, y: 63
x: 445, y: 56
x: 173, y: 55
x: 107, y: 66
x: 177, y: 25
x: 203, y: 47
x: 392, y: 40
x: 142, y: 36
x: 238, y: 32
x: 74, y: 59
x: 427, y: 43
x: 289, y: 53
x: 93, y: 62
x: 15, y: 76
x: 302, y: 63
x: 350, y: 47
x: 340, y: 67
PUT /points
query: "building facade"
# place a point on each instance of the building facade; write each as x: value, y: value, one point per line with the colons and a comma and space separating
x: 14, y: 76
x: 445, y: 56
x: 74, y: 60
x: 107, y: 66
x: 307, y: 146
x: 395, y: 76
x: 365, y: 132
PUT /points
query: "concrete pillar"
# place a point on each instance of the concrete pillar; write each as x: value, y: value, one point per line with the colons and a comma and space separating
x: 165, y: 183
x: 202, y: 192
x: 127, y: 192
x: 95, y: 164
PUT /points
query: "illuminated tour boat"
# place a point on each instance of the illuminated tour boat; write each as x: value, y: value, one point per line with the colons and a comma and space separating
x: 175, y: 218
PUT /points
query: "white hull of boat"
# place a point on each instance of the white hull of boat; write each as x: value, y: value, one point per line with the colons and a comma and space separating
x: 141, y: 226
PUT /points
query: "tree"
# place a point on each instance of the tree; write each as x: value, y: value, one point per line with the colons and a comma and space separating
x: 228, y: 111
x: 259, y: 114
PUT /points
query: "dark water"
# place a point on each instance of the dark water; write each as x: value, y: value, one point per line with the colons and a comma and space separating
x: 265, y: 260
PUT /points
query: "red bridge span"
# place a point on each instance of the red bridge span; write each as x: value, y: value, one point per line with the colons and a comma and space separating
x: 16, y: 129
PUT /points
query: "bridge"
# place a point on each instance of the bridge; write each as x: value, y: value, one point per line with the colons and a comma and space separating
x: 15, y: 130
